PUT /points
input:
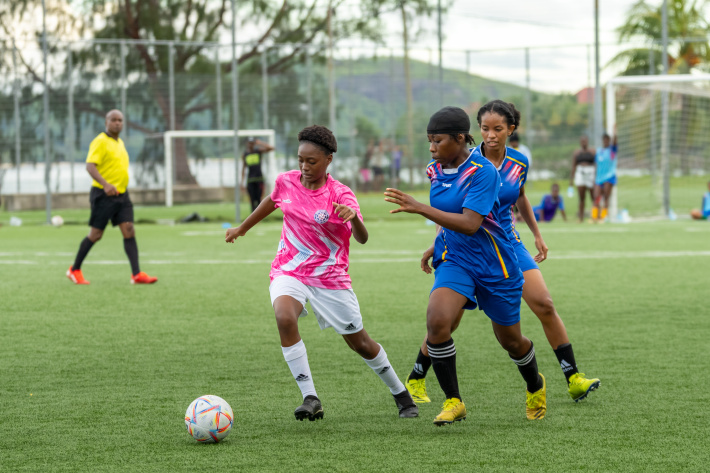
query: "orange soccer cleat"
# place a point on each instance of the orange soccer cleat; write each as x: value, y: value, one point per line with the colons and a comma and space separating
x: 75, y: 276
x: 142, y: 278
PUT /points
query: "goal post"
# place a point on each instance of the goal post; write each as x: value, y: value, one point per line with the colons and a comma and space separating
x: 169, y: 137
x: 662, y: 124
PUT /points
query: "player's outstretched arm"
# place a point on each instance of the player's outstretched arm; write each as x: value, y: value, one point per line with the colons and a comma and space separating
x: 528, y: 215
x: 265, y: 208
x: 350, y: 215
x: 467, y: 222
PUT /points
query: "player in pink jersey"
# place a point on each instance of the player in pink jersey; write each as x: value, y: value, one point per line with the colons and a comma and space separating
x: 311, y: 264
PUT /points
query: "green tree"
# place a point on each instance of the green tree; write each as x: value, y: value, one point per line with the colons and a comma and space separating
x: 297, y: 22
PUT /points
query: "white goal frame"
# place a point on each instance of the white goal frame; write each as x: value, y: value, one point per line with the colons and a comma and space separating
x: 663, y: 84
x: 169, y: 136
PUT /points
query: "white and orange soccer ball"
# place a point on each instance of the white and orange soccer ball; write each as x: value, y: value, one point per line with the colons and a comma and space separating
x: 209, y: 419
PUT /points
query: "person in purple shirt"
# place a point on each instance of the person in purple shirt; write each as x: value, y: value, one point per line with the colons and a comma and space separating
x: 549, y: 205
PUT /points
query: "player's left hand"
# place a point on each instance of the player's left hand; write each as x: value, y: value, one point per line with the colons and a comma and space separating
x: 344, y: 212
x: 541, y: 250
x: 406, y: 202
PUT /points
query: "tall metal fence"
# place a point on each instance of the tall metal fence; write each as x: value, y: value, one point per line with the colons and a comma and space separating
x: 164, y: 85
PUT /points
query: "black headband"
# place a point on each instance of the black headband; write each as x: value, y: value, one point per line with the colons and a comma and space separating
x: 449, y: 120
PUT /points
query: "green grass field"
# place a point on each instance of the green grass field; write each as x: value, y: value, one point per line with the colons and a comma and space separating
x: 97, y: 378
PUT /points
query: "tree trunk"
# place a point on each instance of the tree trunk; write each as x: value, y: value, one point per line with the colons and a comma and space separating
x: 183, y: 175
x: 410, y: 99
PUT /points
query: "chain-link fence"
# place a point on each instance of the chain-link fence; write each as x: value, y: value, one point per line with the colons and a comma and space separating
x: 164, y: 85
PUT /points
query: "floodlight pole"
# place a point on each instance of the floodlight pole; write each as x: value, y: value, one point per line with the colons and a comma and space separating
x: 598, y: 125
x: 235, y: 118
x: 47, y: 158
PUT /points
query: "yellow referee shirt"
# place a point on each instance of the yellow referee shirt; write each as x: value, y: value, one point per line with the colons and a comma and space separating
x: 111, y: 159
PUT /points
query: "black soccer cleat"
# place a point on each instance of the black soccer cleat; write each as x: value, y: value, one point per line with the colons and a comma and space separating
x: 405, y: 404
x: 311, y: 409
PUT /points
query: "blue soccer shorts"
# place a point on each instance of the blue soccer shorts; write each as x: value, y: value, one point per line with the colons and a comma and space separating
x: 500, y: 301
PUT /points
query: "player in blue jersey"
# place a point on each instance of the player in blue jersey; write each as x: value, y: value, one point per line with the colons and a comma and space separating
x: 550, y: 204
x: 497, y: 119
x: 474, y: 261
x: 704, y: 212
x: 605, y: 180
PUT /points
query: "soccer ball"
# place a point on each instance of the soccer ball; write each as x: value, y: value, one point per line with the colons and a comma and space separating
x: 57, y: 221
x: 209, y: 419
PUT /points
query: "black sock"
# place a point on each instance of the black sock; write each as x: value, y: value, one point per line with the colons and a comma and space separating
x: 84, y: 248
x: 527, y: 365
x: 443, y: 360
x: 421, y: 366
x: 129, y: 244
x: 565, y: 356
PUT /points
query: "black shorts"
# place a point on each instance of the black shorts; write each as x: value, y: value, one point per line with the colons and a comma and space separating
x: 117, y: 209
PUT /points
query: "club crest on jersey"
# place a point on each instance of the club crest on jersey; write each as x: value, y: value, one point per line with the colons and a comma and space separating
x: 321, y: 216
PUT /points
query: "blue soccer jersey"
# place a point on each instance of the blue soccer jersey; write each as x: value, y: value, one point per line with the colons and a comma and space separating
x: 606, y: 164
x: 488, y: 253
x: 513, y: 175
x: 706, y: 205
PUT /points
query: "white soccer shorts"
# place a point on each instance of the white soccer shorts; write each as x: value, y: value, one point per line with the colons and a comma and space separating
x: 584, y: 176
x: 337, y: 308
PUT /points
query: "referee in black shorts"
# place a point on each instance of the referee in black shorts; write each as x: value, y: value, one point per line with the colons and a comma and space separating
x: 107, y: 164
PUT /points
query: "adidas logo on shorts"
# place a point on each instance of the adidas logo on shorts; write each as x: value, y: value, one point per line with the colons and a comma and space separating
x: 350, y: 327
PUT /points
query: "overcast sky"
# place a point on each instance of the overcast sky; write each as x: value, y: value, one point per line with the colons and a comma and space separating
x: 500, y: 27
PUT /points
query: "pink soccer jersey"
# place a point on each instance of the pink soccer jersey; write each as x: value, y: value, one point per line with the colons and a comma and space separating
x: 315, y: 243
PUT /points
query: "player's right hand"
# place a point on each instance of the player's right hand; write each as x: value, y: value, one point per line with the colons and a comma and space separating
x: 233, y: 234
x: 110, y: 189
x: 428, y: 254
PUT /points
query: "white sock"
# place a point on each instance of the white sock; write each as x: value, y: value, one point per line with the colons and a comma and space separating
x: 297, y: 360
x: 381, y: 365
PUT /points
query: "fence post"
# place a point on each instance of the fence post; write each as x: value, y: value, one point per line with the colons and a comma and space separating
x: 171, y: 99
x: 218, y: 85
x: 309, y: 87
x: 18, y: 134
x: 264, y: 90
x: 70, y: 126
x: 528, y: 101
x: 351, y: 98
x: 45, y: 100
x: 124, y: 86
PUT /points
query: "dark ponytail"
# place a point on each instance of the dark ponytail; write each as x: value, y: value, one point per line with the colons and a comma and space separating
x: 504, y: 109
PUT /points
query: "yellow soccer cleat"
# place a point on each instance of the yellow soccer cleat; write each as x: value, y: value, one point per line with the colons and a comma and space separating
x: 417, y: 388
x: 454, y: 410
x: 604, y: 214
x: 536, y: 403
x: 580, y: 387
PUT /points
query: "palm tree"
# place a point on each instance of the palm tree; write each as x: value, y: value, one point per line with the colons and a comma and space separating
x: 688, y: 30
x: 688, y: 49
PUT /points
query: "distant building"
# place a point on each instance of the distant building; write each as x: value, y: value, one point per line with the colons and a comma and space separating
x: 586, y: 95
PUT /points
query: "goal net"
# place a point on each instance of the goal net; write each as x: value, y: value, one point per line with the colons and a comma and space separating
x: 224, y: 169
x: 660, y: 173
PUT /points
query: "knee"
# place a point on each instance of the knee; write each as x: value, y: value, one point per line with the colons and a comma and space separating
x: 129, y: 231
x: 363, y: 348
x: 544, y: 308
x: 95, y: 235
x: 286, y: 322
x: 438, y: 327
x: 514, y: 346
